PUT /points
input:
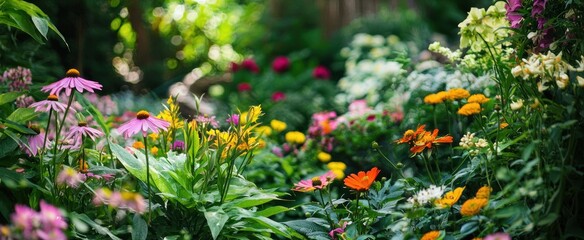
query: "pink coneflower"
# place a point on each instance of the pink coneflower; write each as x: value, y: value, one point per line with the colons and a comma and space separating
x: 321, y: 72
x: 203, y: 119
x: 278, y: 96
x: 337, y: 231
x: 52, y: 102
x: 142, y: 123
x: 498, y: 236
x: 71, y: 81
x: 250, y: 65
x: 280, y: 64
x: 82, y: 129
x: 51, y: 217
x: 35, y: 142
x: 244, y: 87
x: 315, y: 183
x: 68, y: 176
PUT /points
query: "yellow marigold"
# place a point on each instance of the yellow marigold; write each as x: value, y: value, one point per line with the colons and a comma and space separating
x: 323, y: 157
x: 261, y: 143
x: 442, y: 95
x: 433, y: 98
x: 277, y: 125
x: 503, y: 125
x: 138, y: 145
x: 473, y: 206
x: 450, y: 198
x: 431, y: 235
x: 477, y: 98
x: 457, y: 93
x: 295, y: 137
x: 337, y: 165
x: 264, y: 130
x: 469, y: 109
x: 484, y: 192
x: 154, y: 150
x: 339, y: 174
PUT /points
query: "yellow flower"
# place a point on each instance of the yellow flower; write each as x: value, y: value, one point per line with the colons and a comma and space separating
x: 138, y: 145
x: 450, y: 198
x: 473, y: 206
x: 323, y: 156
x: 154, y: 150
x: 477, y: 98
x: 264, y: 130
x: 153, y: 136
x: 484, y: 192
x: 431, y: 235
x: 278, y: 125
x: 337, y: 165
x: 503, y: 125
x: 457, y: 93
x: 83, y: 166
x: 251, y: 115
x: 339, y: 174
x: 261, y: 143
x: 433, y: 98
x: 295, y: 137
x: 469, y: 109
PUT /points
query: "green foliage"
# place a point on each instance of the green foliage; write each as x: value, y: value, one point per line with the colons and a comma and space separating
x: 28, y: 18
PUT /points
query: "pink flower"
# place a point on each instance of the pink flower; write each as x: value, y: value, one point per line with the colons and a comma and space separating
x: 35, y: 143
x: 538, y: 7
x: 23, y: 101
x: 234, y: 119
x: 321, y: 72
x: 233, y: 67
x: 315, y: 183
x: 513, y: 16
x: 498, y: 236
x: 51, y: 217
x: 71, y: 81
x: 26, y: 219
x: 358, y: 108
x: 178, y: 145
x: 143, y: 123
x: 278, y: 96
x: 243, y: 87
x: 280, y: 64
x: 52, y: 102
x: 250, y: 65
x: 70, y: 177
x: 82, y: 129
x: 277, y: 151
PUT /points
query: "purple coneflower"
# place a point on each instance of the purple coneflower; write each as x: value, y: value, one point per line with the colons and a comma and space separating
x: 142, y: 123
x: 315, y: 183
x: 52, y: 102
x: 35, y: 142
x: 83, y: 130
x: 68, y: 176
x: 71, y: 81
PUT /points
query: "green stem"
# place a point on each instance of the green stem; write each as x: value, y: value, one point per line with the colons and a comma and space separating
x: 428, y: 169
x: 390, y: 162
x: 41, y: 169
x: 55, y: 147
x: 148, y: 179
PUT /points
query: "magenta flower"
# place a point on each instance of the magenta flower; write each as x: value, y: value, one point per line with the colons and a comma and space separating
x: 315, y: 183
x: 178, y: 145
x: 24, y: 101
x: 51, y: 217
x: 202, y: 119
x: 250, y: 65
x: 278, y: 96
x: 233, y: 67
x: 337, y: 231
x: 277, y: 151
x: 52, y: 102
x: 71, y: 81
x: 49, y: 223
x: 243, y: 87
x: 234, y: 119
x: 513, y: 16
x: 142, y: 123
x: 26, y: 219
x: 82, y: 129
x: 35, y: 143
x: 321, y: 72
x: 280, y: 64
x: 498, y: 236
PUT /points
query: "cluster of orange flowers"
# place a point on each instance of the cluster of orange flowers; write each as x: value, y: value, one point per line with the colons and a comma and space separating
x: 473, y: 102
x: 473, y: 105
x: 422, y: 139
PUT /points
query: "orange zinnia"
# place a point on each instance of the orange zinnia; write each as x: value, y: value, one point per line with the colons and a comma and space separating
x: 427, y: 139
x: 361, y: 181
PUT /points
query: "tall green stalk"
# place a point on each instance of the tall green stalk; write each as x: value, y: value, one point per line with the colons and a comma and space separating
x: 148, y: 179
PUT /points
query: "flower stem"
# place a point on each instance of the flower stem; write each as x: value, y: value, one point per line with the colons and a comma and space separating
x: 428, y: 170
x: 55, y: 147
x: 41, y: 169
x: 390, y: 162
x: 148, y: 179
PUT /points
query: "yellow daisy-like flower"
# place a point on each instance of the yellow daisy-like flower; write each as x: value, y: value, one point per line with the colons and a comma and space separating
x: 450, y: 198
x: 323, y: 157
x: 469, y: 109
x: 484, y: 192
x: 295, y: 137
x: 138, y: 145
x: 473, y: 206
x: 431, y: 235
x: 337, y: 165
x: 264, y: 130
x: 154, y: 150
x: 433, y: 98
x: 477, y: 98
x: 457, y: 94
x: 339, y: 174
x: 277, y: 125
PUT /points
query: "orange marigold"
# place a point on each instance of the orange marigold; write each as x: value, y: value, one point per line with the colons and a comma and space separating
x: 450, y: 198
x: 457, y: 93
x: 477, y: 98
x: 433, y: 98
x: 484, y: 192
x: 431, y: 235
x: 473, y: 206
x: 469, y: 109
x: 362, y: 181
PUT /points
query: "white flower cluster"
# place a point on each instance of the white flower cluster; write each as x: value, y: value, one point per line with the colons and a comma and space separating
x: 370, y: 68
x: 484, y: 27
x: 436, y: 79
x: 548, y: 69
x: 427, y: 195
x: 473, y: 144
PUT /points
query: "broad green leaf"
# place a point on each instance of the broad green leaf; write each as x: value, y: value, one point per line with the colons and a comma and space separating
x: 139, y: 228
x: 18, y: 127
x: 98, y: 228
x: 278, y: 228
x: 268, y: 212
x: 7, y: 146
x: 22, y: 115
x: 9, y: 97
x: 216, y: 220
x: 131, y: 163
x: 469, y: 228
x: 25, y: 24
x: 41, y: 25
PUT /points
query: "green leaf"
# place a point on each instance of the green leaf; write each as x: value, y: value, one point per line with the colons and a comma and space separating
x: 216, y: 220
x: 550, y: 218
x: 18, y: 127
x: 131, y: 163
x: 469, y: 228
x: 94, y: 112
x: 98, y: 228
x: 22, y: 115
x: 139, y: 228
x: 41, y: 25
x: 268, y: 212
x: 7, y: 146
x: 25, y: 24
x: 9, y: 97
